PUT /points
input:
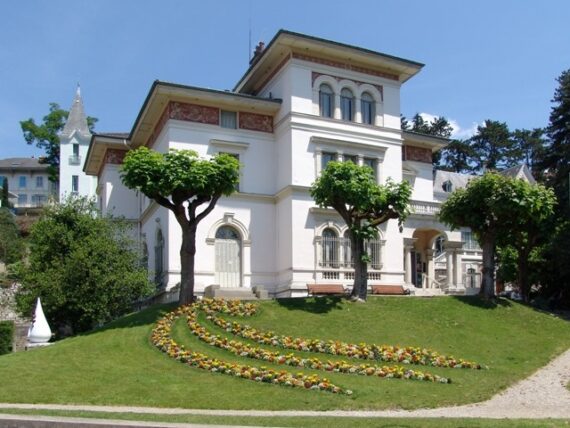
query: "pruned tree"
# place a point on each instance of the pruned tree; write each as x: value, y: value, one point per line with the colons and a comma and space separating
x: 45, y: 136
x: 500, y: 209
x: 182, y: 182
x: 364, y: 205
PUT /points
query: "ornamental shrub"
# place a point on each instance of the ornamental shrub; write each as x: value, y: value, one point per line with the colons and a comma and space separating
x: 6, y: 336
x: 86, y: 268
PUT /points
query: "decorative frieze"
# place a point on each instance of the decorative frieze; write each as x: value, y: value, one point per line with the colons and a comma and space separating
x: 417, y: 154
x: 344, y: 66
x: 255, y: 122
x: 194, y: 113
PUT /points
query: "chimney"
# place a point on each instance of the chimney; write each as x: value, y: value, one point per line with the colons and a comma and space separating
x: 258, y: 51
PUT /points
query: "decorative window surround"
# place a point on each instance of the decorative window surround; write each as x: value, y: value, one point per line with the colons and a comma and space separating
x: 229, y: 220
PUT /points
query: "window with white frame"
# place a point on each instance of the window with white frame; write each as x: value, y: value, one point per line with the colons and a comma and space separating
x: 228, y: 119
x: 329, y: 249
x: 447, y: 186
x: 371, y: 163
x: 327, y: 157
x: 39, y: 182
x: 22, y: 199
x: 22, y: 182
x: 326, y: 101
x: 159, y: 259
x: 367, y: 107
x: 75, y: 183
x: 350, y: 158
x: 347, y: 104
x: 469, y: 241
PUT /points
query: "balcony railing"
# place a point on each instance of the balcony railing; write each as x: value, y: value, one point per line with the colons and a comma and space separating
x: 74, y: 160
x: 425, y: 208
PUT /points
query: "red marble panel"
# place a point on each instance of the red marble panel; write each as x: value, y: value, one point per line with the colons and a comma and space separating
x: 255, y: 122
x: 115, y: 156
x: 418, y: 154
x: 194, y: 113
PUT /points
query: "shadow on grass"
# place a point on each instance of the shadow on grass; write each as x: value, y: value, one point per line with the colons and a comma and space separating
x: 482, y: 303
x: 145, y: 317
x: 315, y: 305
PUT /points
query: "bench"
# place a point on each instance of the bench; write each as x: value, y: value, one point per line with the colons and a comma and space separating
x: 325, y: 289
x: 390, y: 290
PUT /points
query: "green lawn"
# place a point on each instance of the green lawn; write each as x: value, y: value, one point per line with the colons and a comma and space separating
x: 118, y: 366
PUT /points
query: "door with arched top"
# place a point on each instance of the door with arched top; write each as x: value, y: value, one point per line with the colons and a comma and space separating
x: 228, y: 257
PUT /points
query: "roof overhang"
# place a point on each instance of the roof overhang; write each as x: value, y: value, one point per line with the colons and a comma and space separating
x: 98, y: 146
x: 285, y: 42
x: 161, y: 93
x: 426, y: 141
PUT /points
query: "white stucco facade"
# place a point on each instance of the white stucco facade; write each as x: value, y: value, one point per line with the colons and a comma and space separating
x: 271, y: 233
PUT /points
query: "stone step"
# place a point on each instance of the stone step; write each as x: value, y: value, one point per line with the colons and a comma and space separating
x: 428, y: 292
x: 229, y: 293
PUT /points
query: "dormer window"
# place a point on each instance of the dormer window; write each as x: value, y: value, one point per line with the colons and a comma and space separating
x: 326, y: 100
x: 447, y: 186
x: 346, y: 104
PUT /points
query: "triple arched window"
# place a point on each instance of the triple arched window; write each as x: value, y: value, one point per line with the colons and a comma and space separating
x: 349, y: 104
x: 336, y: 251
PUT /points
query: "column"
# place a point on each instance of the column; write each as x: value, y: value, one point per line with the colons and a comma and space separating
x: 457, y: 268
x: 336, y: 114
x: 358, y: 110
x: 450, y: 268
x: 430, y: 268
x: 408, y: 264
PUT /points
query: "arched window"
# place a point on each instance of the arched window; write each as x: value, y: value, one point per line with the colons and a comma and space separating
x: 346, y: 104
x: 159, y: 259
x: 447, y: 186
x: 329, y: 256
x: 144, y: 255
x: 326, y: 100
x: 367, y: 107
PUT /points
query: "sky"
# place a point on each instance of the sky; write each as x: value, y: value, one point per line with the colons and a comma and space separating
x: 483, y: 59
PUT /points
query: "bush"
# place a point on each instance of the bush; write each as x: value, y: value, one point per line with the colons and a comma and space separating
x: 85, y: 268
x: 6, y: 336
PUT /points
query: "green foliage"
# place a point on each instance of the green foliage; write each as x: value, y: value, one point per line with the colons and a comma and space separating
x: 492, y: 146
x: 457, y: 156
x: 5, y: 195
x: 11, y: 244
x: 178, y: 176
x: 500, y: 209
x: 45, y: 135
x: 556, y: 269
x: 6, y: 336
x: 557, y: 159
x: 363, y: 204
x: 83, y: 267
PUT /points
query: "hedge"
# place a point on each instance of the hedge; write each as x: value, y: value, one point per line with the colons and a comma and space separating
x: 6, y: 336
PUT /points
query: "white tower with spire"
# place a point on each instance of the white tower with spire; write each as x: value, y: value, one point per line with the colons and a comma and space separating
x: 74, y: 143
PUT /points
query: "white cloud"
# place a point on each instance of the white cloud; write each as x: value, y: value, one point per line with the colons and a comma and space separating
x: 459, y: 132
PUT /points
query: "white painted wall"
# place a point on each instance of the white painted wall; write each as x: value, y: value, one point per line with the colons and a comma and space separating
x: 70, y: 166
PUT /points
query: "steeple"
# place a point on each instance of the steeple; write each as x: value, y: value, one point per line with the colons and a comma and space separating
x: 76, y: 121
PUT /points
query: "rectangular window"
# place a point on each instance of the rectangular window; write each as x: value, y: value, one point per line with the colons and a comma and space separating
x: 3, y: 179
x: 22, y: 199
x: 350, y: 158
x: 228, y: 119
x: 39, y: 182
x: 22, y: 182
x: 371, y: 163
x: 38, y: 200
x: 75, y: 183
x: 327, y: 157
x: 469, y: 241
x: 75, y: 149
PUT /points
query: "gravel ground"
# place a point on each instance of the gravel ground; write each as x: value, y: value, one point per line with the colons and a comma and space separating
x: 542, y: 395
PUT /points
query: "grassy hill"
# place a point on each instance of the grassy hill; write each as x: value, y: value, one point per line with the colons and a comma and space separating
x: 117, y: 365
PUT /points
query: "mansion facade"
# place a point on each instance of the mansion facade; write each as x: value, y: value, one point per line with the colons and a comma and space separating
x: 302, y: 103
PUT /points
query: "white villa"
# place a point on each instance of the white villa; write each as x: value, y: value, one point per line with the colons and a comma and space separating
x: 303, y: 102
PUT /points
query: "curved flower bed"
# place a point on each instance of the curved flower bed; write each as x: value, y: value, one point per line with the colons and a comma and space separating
x: 162, y: 339
x: 244, y: 350
x: 364, y: 351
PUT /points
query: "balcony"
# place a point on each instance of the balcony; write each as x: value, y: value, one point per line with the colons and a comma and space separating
x: 74, y: 160
x: 425, y: 208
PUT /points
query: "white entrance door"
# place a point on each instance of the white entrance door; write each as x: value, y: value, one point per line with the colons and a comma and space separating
x: 228, y: 257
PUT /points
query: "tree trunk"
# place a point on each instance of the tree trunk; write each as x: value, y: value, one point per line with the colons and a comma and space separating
x: 360, y: 287
x: 488, y: 283
x: 187, y: 253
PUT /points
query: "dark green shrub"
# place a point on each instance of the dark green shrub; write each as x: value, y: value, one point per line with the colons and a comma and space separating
x: 6, y: 336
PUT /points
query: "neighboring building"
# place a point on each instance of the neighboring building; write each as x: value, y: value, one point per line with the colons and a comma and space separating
x: 74, y: 143
x: 303, y: 102
x: 28, y: 180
